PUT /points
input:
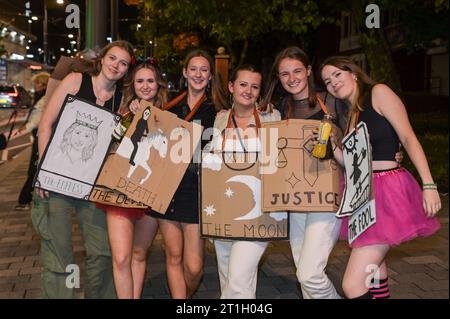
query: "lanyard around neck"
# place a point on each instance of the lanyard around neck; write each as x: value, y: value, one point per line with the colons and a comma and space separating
x: 231, y: 119
x: 178, y: 99
x: 353, y: 118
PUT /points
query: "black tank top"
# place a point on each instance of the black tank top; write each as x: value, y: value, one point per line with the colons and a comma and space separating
x: 86, y: 92
x: 383, y: 138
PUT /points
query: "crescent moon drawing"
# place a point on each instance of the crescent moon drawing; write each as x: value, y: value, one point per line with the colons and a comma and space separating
x: 255, y: 186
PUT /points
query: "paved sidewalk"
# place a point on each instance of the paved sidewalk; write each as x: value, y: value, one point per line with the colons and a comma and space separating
x: 418, y: 269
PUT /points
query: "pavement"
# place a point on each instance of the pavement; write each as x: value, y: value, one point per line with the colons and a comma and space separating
x: 417, y: 269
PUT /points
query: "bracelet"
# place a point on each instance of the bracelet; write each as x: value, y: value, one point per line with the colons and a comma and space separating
x: 429, y: 186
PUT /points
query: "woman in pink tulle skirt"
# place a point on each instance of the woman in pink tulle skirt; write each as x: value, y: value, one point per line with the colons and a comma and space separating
x: 404, y: 211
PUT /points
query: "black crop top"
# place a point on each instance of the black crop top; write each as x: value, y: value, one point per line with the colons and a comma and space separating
x: 383, y: 138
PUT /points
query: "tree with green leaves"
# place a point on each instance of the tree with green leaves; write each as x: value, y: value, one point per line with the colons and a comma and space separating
x: 229, y: 23
x: 239, y: 24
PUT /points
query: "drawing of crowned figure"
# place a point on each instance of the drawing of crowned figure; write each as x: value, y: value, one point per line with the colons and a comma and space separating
x: 141, y: 129
x: 80, y: 139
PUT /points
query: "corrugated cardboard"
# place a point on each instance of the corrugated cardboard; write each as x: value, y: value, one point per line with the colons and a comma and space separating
x: 301, y: 182
x: 158, y: 190
x: 230, y: 200
x: 104, y: 195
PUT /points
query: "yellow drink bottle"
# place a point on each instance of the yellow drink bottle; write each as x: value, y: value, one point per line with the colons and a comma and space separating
x: 320, y: 149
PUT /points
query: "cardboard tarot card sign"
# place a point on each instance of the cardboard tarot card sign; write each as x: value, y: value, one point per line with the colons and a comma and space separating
x: 358, y: 171
x: 152, y: 157
x: 299, y: 182
x: 231, y: 200
x: 361, y: 220
x: 77, y: 148
x: 104, y: 195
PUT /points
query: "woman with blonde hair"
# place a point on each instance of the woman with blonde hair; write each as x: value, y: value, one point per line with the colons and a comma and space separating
x: 130, y: 230
x: 40, y: 81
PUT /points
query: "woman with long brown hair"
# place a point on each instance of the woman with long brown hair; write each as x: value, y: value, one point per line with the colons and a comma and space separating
x: 180, y: 224
x: 404, y: 211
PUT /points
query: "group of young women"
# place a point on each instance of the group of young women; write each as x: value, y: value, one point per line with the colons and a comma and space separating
x: 117, y: 240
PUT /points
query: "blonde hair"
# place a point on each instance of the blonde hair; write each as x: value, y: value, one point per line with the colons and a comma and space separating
x: 41, y: 77
x: 129, y: 93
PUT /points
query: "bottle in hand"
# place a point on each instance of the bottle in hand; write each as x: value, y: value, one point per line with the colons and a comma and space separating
x: 320, y: 149
x: 122, y: 126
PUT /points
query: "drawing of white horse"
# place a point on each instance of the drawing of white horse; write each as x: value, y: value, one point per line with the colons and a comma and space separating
x: 156, y: 140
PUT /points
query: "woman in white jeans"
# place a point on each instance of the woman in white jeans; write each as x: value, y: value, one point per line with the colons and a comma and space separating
x: 238, y: 259
x: 312, y: 234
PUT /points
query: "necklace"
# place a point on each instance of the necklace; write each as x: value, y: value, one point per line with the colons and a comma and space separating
x: 104, y: 101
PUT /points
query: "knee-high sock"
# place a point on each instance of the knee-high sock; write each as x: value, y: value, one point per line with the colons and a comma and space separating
x: 380, y: 291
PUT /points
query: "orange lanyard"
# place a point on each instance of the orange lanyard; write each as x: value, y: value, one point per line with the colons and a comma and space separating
x: 355, y: 116
x: 230, y: 120
x: 178, y: 99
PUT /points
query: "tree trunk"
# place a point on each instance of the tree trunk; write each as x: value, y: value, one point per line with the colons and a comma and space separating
x: 376, y: 49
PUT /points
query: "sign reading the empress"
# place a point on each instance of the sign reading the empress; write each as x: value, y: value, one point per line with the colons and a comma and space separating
x: 300, y: 181
x: 152, y: 157
x: 77, y: 148
x: 231, y: 199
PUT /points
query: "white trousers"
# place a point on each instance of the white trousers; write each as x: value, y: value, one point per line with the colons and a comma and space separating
x: 312, y: 238
x: 237, y: 262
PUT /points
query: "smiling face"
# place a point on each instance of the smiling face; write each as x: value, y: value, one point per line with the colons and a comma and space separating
x: 145, y: 84
x: 246, y: 88
x: 197, y: 73
x: 341, y: 84
x: 293, y: 76
x: 115, y: 63
x: 81, y: 137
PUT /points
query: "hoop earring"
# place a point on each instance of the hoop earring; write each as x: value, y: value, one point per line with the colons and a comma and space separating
x: 185, y: 83
x: 231, y: 100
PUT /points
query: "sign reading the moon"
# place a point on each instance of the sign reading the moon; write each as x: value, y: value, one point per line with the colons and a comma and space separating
x: 301, y: 182
x: 231, y: 200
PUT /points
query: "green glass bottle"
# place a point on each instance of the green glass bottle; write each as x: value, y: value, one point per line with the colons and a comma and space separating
x: 122, y: 126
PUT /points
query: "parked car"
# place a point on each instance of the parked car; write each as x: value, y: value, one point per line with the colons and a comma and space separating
x: 14, y: 96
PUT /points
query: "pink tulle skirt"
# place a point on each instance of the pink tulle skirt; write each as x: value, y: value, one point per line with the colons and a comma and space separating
x: 399, y: 211
x: 134, y: 213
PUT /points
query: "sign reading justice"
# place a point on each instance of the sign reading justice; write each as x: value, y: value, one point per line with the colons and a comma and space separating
x: 301, y: 182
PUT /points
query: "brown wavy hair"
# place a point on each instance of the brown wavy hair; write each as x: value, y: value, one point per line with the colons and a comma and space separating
x: 217, y: 94
x: 121, y: 44
x: 129, y: 94
x: 274, y: 83
x: 364, y: 82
